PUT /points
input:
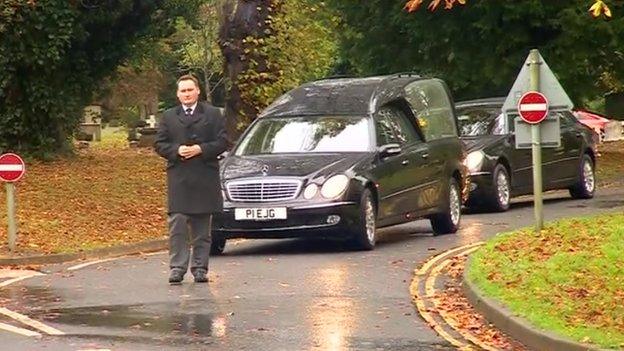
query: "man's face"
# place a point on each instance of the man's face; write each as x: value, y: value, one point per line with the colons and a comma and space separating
x: 188, y: 92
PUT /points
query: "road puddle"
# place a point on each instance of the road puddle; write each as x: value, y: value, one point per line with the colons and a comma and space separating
x: 165, y: 320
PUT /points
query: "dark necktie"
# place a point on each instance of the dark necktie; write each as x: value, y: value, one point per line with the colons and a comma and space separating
x: 188, y: 111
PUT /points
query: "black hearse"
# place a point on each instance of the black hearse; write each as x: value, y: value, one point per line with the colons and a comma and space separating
x: 342, y: 157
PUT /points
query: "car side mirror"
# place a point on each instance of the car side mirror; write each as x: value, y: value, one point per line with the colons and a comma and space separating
x: 389, y: 150
x: 223, y: 155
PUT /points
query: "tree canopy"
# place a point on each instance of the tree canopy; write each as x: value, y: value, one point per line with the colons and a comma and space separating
x: 479, y: 48
x: 54, y: 54
x: 597, y: 9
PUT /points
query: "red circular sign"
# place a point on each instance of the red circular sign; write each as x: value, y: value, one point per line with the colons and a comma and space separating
x: 12, y: 167
x: 533, y: 107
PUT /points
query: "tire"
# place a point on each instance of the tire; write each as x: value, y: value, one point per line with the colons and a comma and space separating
x: 217, y: 246
x: 447, y: 222
x: 364, y: 235
x: 585, y: 187
x: 500, y: 194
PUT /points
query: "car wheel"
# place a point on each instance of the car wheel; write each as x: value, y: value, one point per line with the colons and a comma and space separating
x: 217, y: 246
x: 501, y: 190
x: 586, y: 185
x: 448, y: 221
x: 364, y: 236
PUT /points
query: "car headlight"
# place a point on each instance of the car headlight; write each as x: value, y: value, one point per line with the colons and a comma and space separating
x: 334, y: 186
x: 474, y: 161
x: 310, y: 191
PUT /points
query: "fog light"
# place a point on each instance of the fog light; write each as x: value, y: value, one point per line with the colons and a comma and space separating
x: 333, y: 219
x: 473, y: 186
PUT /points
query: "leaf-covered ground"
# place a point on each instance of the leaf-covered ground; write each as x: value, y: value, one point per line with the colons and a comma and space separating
x: 569, y: 278
x: 459, y: 313
x: 610, y: 164
x: 108, y: 194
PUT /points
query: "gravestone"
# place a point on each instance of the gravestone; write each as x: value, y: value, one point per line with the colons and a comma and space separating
x: 91, y: 122
x: 147, y: 136
x: 614, y: 105
x: 151, y: 121
x: 613, y: 131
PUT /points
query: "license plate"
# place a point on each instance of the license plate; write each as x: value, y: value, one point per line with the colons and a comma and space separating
x: 260, y: 214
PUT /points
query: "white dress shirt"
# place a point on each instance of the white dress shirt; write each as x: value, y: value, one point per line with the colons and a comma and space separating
x: 192, y: 107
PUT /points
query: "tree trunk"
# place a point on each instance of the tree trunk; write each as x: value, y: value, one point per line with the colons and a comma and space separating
x: 152, y: 106
x: 142, y: 111
x: 242, y: 18
x: 207, y: 85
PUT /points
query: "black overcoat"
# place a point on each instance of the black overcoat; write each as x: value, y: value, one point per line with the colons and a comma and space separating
x: 193, y: 185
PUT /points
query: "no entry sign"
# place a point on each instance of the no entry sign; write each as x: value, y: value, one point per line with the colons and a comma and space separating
x: 12, y: 167
x: 533, y: 107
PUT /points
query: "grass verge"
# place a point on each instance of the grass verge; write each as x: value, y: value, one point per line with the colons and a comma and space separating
x: 569, y: 278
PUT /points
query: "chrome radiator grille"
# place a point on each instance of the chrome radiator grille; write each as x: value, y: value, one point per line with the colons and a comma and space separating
x: 263, y: 190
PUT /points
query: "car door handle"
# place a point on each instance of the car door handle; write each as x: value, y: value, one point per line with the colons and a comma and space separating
x: 424, y: 155
x: 405, y: 162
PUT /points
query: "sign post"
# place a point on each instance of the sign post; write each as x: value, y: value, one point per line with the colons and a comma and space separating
x: 533, y: 109
x: 10, y: 194
x: 534, y: 85
x: 533, y: 95
x: 12, y: 168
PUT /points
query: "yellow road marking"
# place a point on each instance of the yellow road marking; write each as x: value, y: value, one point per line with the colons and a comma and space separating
x: 30, y: 322
x: 431, y: 278
x: 18, y: 330
x: 430, y: 291
x: 422, y: 309
x: 441, y: 256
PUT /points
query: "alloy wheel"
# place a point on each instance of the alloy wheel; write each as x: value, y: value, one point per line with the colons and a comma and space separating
x: 455, y: 204
x: 502, y: 189
x: 369, y: 213
x: 588, y: 176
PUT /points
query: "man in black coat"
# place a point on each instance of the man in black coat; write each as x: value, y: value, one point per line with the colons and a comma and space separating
x: 190, y: 137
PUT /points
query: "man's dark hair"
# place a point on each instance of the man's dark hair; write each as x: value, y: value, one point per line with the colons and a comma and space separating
x: 188, y: 77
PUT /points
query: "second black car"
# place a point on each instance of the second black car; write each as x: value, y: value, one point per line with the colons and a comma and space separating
x: 499, y: 171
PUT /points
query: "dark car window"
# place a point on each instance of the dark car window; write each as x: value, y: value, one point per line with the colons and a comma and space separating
x: 567, y: 119
x: 306, y: 134
x: 432, y: 107
x: 476, y: 121
x: 385, y: 134
x: 394, y: 127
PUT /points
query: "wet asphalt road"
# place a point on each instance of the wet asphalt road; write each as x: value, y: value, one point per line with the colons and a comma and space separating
x: 263, y: 295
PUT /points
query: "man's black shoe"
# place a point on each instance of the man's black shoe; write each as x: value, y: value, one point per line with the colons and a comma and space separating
x: 200, y: 276
x: 176, y: 277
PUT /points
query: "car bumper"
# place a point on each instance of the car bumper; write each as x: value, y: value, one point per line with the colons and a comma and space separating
x: 303, y: 220
x: 480, y: 183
